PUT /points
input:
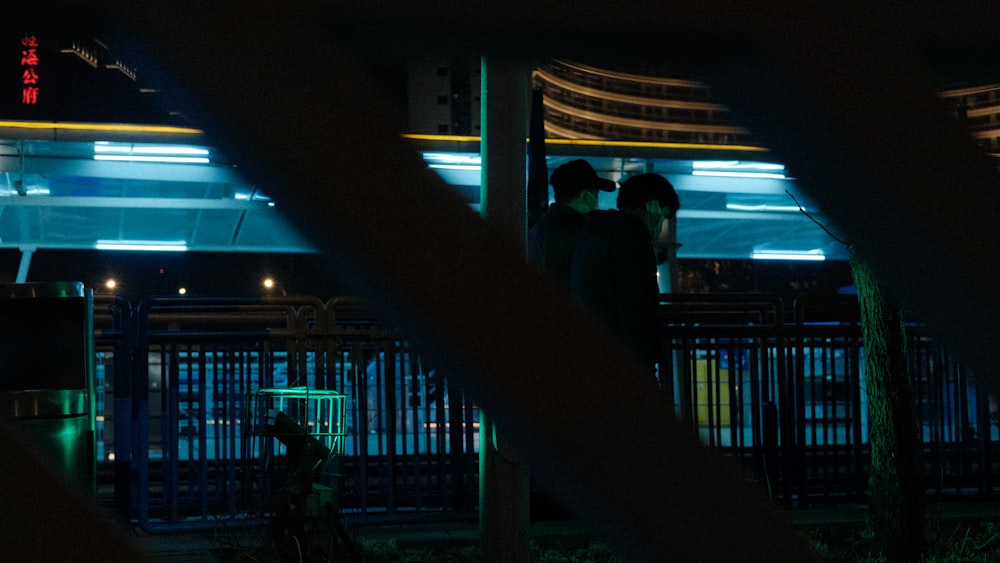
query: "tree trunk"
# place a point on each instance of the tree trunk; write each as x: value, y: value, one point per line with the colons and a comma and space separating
x: 896, y: 495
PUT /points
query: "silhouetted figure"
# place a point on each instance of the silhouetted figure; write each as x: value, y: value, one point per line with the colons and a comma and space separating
x: 614, y: 266
x: 551, y: 241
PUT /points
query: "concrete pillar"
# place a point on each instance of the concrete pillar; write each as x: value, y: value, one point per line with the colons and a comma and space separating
x: 504, y: 515
x: 504, y: 153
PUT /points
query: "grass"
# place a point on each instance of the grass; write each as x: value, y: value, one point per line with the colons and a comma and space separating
x: 264, y: 544
x: 388, y: 551
x: 949, y: 540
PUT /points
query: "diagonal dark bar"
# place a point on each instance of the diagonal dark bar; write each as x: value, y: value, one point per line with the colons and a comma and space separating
x: 847, y: 101
x: 457, y: 284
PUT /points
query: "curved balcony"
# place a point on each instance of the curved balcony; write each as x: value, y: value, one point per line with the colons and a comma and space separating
x: 979, y: 107
x: 589, y: 102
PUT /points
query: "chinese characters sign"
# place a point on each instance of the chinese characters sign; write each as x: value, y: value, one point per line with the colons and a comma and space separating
x: 29, y: 70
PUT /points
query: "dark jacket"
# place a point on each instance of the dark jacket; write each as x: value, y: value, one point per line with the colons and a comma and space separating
x: 614, y: 277
x: 552, y: 239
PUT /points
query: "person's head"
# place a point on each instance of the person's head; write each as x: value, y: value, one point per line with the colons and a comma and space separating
x: 576, y: 184
x: 650, y: 197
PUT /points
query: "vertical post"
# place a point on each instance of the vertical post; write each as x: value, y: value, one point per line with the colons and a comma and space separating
x: 22, y: 269
x: 667, y: 272
x: 504, y: 167
x: 668, y: 279
x: 503, y: 479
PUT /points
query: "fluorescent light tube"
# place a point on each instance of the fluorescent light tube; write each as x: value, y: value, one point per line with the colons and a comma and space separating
x: 456, y: 166
x: 452, y: 158
x: 737, y: 165
x: 166, y: 159
x: 807, y: 255
x: 727, y: 174
x: 149, y: 246
x: 174, y: 154
x: 762, y: 207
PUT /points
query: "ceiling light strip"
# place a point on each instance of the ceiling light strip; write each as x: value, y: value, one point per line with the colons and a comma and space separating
x: 163, y: 159
x: 810, y: 255
x: 174, y: 154
x: 149, y: 149
x: 766, y: 207
x: 147, y: 246
x: 727, y: 174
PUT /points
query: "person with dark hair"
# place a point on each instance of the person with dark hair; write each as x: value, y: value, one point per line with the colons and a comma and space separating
x: 613, y: 272
x: 551, y: 241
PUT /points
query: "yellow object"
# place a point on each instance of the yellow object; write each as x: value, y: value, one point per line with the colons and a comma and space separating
x: 711, y: 393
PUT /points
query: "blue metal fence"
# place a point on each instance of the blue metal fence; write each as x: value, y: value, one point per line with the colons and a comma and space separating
x: 180, y: 448
x: 782, y: 393
x: 778, y: 392
x: 724, y: 366
x: 830, y: 414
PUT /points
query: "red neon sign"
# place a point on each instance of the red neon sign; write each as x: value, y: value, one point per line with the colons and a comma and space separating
x: 29, y: 70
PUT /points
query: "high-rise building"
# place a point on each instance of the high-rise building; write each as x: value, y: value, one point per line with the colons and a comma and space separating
x: 979, y: 107
x: 443, y: 95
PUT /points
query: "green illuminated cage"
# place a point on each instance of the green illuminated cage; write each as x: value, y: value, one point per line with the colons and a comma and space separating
x: 296, y: 435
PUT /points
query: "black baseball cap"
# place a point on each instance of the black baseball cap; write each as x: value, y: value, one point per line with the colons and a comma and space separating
x: 575, y: 176
x: 637, y: 190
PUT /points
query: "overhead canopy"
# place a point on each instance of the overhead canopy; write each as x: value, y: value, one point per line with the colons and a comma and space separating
x: 78, y: 171
x: 77, y: 186
x: 105, y: 186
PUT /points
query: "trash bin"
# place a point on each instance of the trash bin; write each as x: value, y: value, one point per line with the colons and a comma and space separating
x: 47, y: 373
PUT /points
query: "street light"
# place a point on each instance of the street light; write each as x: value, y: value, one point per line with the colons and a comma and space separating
x: 271, y: 285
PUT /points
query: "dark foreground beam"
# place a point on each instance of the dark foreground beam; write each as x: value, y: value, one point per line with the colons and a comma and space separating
x: 459, y: 287
x: 839, y: 98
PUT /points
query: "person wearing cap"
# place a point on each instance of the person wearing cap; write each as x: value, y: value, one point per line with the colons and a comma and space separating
x: 551, y: 240
x: 613, y: 271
